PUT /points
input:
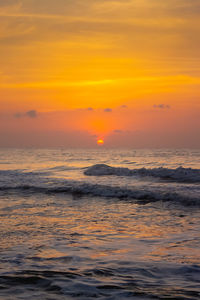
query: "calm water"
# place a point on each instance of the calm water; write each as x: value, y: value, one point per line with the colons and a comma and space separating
x: 74, y: 228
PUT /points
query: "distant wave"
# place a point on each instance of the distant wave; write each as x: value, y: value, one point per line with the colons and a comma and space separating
x: 179, y: 175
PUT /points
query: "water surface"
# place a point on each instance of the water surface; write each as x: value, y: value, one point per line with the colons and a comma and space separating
x: 67, y: 235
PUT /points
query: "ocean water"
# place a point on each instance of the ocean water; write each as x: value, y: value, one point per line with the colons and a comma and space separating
x: 101, y: 223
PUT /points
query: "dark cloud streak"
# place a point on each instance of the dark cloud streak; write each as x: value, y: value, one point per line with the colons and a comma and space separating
x: 162, y: 106
x: 33, y: 114
x: 108, y: 110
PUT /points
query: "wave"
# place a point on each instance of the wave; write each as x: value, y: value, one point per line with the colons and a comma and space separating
x: 143, y: 194
x: 128, y: 281
x: 39, y: 182
x: 179, y: 175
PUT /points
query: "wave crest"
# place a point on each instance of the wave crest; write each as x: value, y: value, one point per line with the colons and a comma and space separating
x: 179, y: 174
x: 34, y: 182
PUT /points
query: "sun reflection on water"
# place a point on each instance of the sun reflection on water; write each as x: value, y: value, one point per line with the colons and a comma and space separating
x: 96, y: 228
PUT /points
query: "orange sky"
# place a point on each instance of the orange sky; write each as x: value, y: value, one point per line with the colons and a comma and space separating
x: 127, y: 71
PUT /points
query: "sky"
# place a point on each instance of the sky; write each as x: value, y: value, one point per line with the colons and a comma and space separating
x: 125, y: 71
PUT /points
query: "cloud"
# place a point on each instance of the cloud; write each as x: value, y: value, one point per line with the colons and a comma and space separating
x: 30, y: 114
x: 90, y: 109
x: 108, y: 110
x: 162, y: 106
x: 124, y: 106
x: 117, y: 131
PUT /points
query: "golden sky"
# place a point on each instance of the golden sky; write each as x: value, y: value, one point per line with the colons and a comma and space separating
x: 73, y: 71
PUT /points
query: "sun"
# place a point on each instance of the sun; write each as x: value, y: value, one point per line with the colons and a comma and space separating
x: 100, y: 142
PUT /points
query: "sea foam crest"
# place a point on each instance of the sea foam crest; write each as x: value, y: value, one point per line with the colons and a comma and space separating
x: 180, y: 174
x: 34, y: 182
x: 97, y: 190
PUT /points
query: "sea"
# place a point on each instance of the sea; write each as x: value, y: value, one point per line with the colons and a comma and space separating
x: 99, y: 224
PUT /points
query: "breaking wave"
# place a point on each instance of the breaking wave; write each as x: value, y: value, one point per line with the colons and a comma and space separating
x: 179, y: 175
x: 35, y: 183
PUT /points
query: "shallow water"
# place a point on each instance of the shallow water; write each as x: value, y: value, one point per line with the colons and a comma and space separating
x: 58, y: 243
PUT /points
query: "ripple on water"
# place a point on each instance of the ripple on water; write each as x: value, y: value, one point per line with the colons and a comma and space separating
x: 140, y: 281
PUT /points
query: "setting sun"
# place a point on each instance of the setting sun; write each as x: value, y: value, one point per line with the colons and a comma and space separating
x: 100, y: 142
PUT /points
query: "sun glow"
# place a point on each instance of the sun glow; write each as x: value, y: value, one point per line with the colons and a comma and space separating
x: 100, y: 142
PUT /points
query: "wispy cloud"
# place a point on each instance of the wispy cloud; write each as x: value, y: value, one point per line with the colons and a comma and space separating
x: 162, y: 106
x: 153, y: 80
x: 30, y: 114
x: 58, y: 84
x: 108, y: 110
